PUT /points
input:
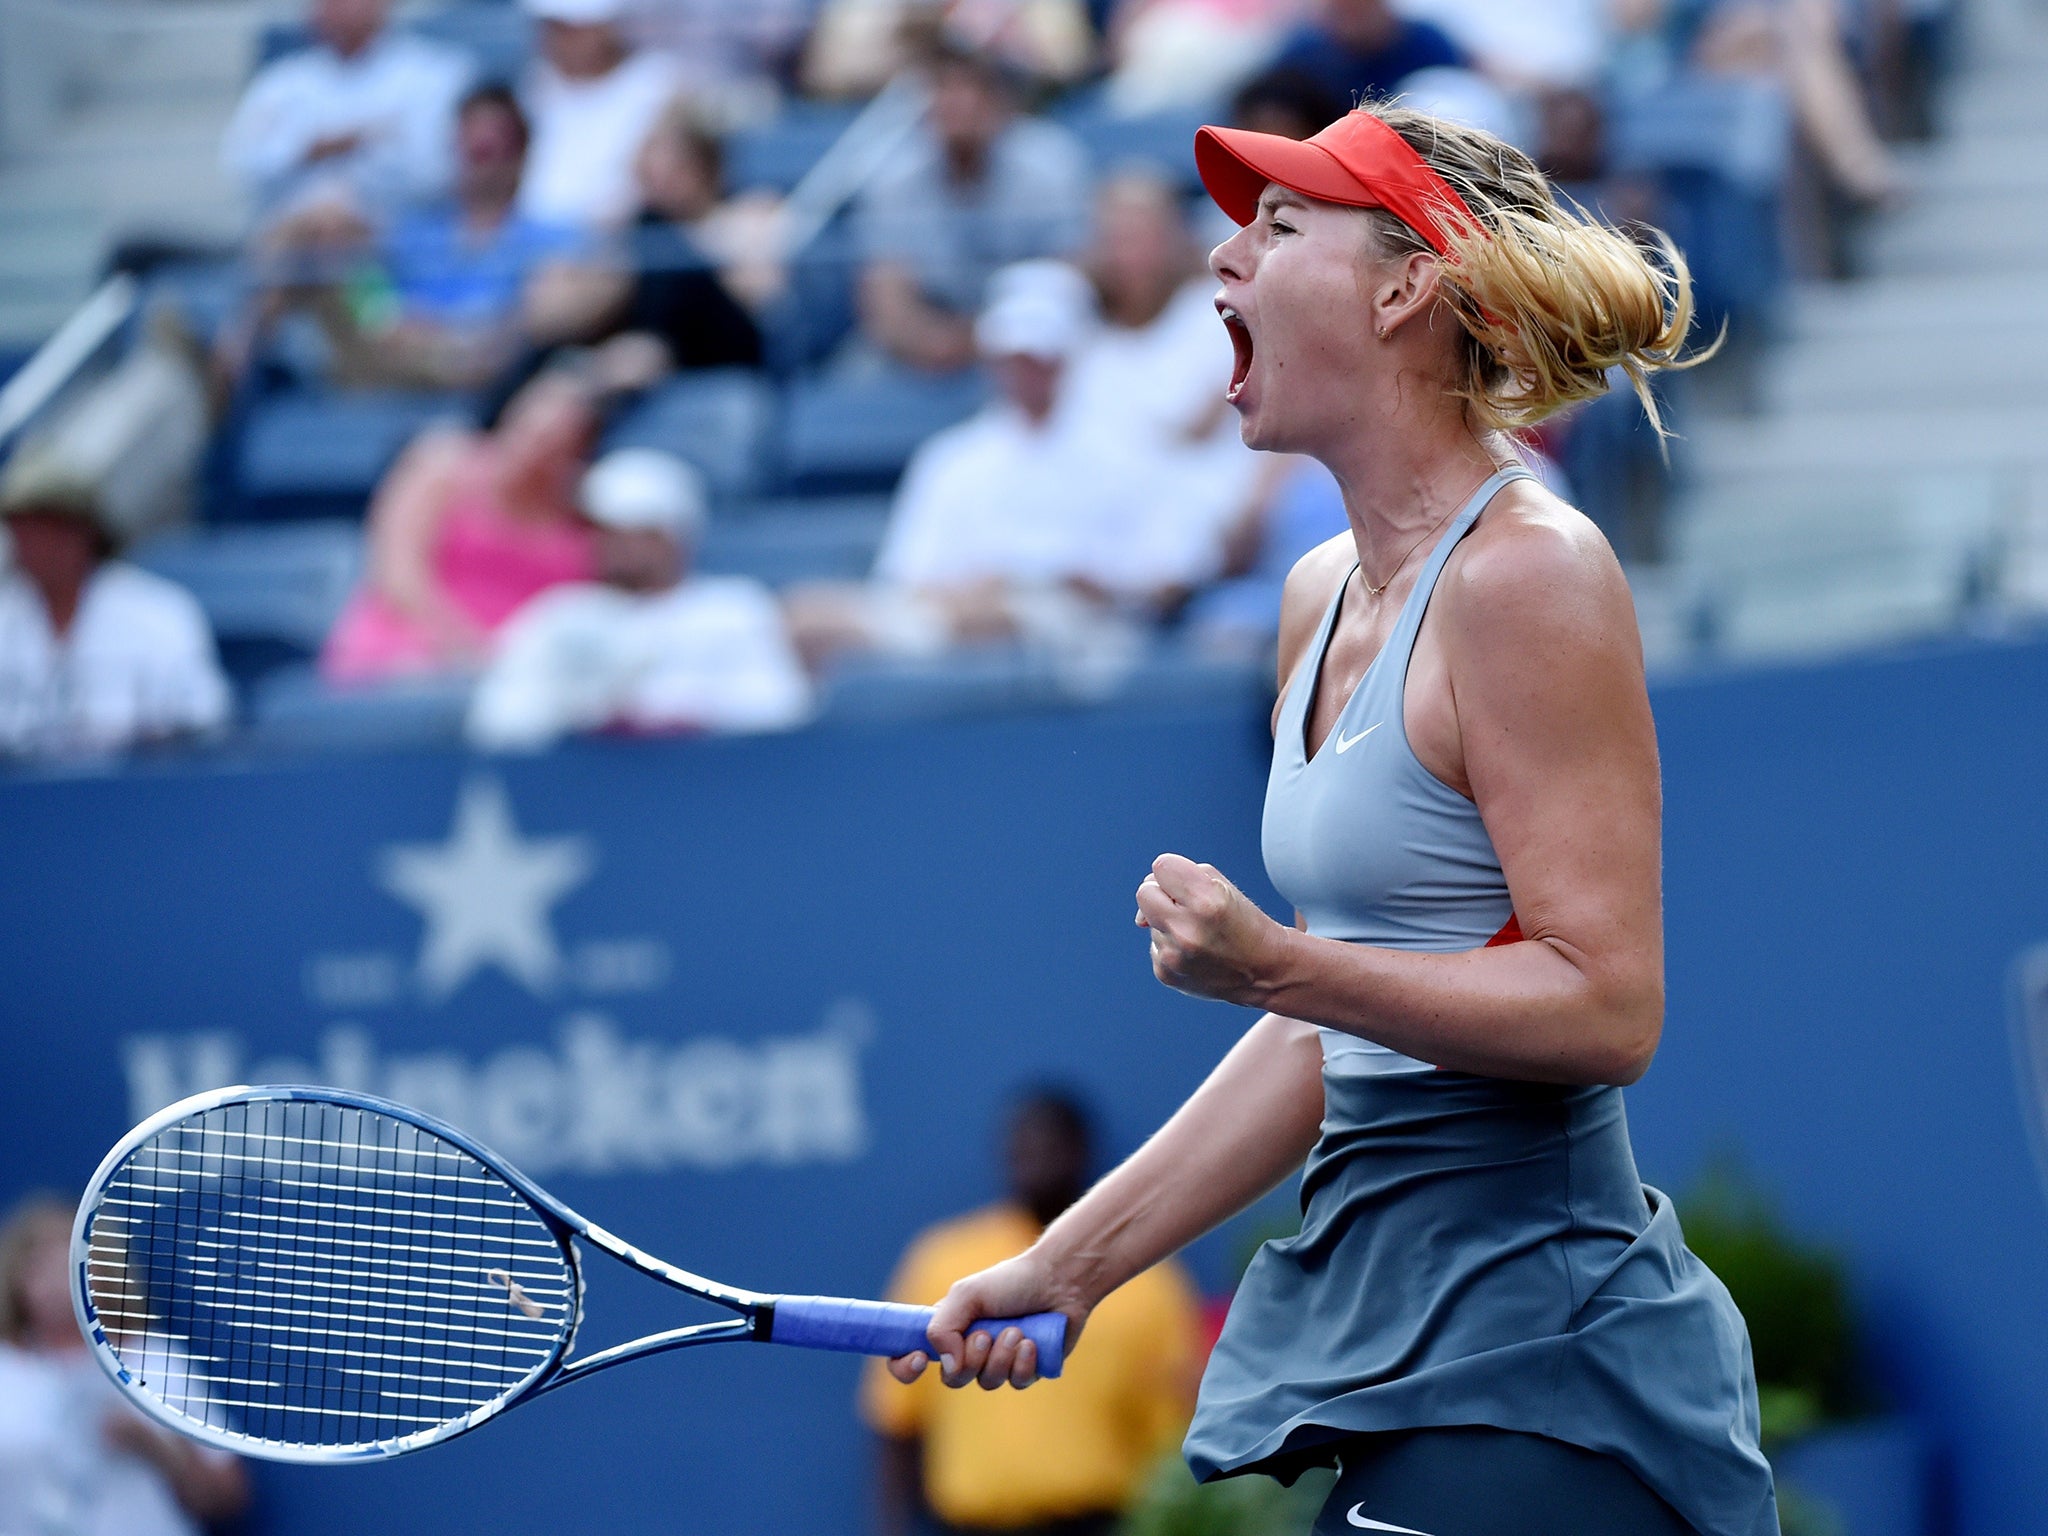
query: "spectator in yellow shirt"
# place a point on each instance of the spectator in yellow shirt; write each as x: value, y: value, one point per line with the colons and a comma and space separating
x: 1066, y: 1457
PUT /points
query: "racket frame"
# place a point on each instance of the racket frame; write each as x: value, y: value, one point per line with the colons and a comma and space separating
x: 756, y: 1309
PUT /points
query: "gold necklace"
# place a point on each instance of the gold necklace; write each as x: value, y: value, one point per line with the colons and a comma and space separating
x: 1375, y: 591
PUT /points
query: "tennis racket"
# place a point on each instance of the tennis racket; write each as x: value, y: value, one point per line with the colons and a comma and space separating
x: 305, y: 1274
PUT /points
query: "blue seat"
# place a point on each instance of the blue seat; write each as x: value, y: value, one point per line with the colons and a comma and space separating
x: 856, y: 432
x: 1739, y: 129
x: 720, y: 420
x: 816, y: 312
x: 1162, y: 141
x: 284, y: 582
x: 270, y: 593
x: 1718, y: 149
x: 976, y: 681
x: 776, y: 154
x: 315, y: 454
x: 499, y: 37
x: 294, y: 709
x: 784, y: 542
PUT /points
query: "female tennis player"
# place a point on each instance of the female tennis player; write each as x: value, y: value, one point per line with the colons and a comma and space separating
x: 1487, y: 1322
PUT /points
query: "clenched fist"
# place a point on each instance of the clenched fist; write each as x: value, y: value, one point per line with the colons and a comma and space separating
x: 1208, y: 939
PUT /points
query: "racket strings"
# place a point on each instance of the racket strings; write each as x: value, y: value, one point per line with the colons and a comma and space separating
x: 319, y: 1275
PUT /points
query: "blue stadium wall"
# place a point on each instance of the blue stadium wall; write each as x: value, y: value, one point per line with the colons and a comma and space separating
x: 756, y: 1005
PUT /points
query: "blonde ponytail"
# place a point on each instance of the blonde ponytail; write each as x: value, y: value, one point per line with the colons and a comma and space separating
x: 1550, y: 298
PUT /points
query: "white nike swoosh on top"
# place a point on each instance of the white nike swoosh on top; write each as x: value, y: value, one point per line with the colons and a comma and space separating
x: 1355, y: 1518
x: 1345, y: 744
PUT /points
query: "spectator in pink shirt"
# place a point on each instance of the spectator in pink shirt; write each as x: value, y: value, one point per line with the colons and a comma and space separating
x: 466, y: 527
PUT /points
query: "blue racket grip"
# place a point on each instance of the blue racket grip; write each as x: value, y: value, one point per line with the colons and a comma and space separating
x: 890, y: 1328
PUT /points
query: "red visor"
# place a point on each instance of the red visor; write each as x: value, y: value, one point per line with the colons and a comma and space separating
x: 1357, y: 161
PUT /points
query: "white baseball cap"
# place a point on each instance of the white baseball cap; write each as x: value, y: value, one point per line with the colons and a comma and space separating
x: 576, y: 12
x: 1036, y: 309
x: 645, y: 488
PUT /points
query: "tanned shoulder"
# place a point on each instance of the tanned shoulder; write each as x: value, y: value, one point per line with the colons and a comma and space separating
x: 1537, y: 574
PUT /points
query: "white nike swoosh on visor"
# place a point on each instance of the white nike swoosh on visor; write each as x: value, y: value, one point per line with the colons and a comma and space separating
x: 1355, y: 1518
x: 1345, y: 744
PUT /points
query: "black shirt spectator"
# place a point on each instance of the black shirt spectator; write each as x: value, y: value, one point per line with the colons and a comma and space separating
x: 1362, y: 47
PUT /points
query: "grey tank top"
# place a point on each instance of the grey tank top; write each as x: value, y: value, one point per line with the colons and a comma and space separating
x: 1473, y: 1251
x: 1367, y: 843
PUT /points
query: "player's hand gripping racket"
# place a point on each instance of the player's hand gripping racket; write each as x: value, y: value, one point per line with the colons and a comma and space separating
x: 305, y: 1274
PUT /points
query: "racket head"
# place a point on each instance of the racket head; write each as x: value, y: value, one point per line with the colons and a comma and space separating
x: 312, y: 1275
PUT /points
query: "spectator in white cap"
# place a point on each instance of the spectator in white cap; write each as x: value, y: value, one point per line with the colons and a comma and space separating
x: 96, y: 655
x: 1023, y: 523
x: 361, y: 119
x: 592, y: 97
x: 651, y: 646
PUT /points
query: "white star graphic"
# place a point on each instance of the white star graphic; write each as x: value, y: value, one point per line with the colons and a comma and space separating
x: 486, y: 892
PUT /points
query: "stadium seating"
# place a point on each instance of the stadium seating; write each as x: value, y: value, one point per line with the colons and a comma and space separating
x: 817, y: 539
x: 315, y: 454
x: 775, y: 155
x: 1163, y: 141
x: 1719, y: 148
x: 498, y: 36
x: 847, y: 434
x: 1816, y: 565
x: 270, y: 593
x: 293, y: 709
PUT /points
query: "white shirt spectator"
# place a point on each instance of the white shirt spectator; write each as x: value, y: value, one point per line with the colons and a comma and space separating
x: 57, y: 1470
x: 398, y: 95
x: 137, y: 663
x: 710, y: 653
x: 579, y: 168
x: 999, y: 498
x: 1158, y: 390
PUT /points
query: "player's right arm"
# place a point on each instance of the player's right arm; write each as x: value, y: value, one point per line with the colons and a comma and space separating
x: 1242, y: 1132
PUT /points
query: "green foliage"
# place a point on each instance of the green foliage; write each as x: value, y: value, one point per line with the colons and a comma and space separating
x: 1799, y: 1515
x: 1794, y: 1297
x: 1174, y: 1504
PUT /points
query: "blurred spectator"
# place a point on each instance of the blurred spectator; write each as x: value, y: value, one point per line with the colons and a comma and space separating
x: 592, y: 96
x: 1153, y: 374
x: 359, y: 118
x: 1068, y: 1456
x: 1288, y: 100
x: 432, y: 302
x: 858, y: 46
x: 464, y: 530
x: 659, y: 299
x: 73, y: 1457
x: 1190, y: 53
x: 1024, y: 522
x: 650, y: 646
x: 96, y: 655
x: 977, y: 188
x: 1365, y: 47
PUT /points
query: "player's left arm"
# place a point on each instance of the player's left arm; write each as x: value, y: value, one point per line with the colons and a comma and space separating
x: 1560, y: 756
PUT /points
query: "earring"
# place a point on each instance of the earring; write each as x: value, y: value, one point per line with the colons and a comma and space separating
x: 1385, y: 334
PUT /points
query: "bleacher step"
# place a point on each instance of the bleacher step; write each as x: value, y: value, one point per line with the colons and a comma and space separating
x: 2010, y: 435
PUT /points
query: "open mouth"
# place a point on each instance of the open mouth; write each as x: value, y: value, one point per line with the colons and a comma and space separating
x: 1241, y: 345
